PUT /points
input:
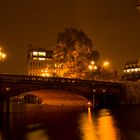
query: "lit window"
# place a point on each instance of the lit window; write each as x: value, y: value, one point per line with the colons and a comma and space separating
x: 128, y: 70
x: 132, y: 70
x: 136, y: 69
x: 35, y: 53
x: 42, y: 53
x: 47, y: 74
x: 43, y: 74
x: 40, y: 58
x: 124, y: 71
x: 34, y: 58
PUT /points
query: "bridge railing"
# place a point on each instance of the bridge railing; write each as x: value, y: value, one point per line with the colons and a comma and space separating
x: 11, y: 77
x: 24, y: 78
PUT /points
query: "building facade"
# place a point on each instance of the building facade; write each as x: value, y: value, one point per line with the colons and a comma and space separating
x: 40, y: 61
x: 131, y: 70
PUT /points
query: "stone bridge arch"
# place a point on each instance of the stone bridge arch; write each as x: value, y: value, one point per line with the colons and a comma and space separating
x: 11, y: 89
x: 13, y: 85
x: 52, y: 97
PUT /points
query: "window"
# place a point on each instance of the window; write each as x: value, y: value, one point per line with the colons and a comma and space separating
x: 34, y: 58
x: 42, y: 53
x: 35, y: 53
x: 40, y: 58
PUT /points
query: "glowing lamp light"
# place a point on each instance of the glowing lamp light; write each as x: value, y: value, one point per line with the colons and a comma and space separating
x: 90, y: 67
x: 3, y: 55
x: 92, y: 62
x: 89, y: 103
x: 95, y: 67
x: 106, y: 63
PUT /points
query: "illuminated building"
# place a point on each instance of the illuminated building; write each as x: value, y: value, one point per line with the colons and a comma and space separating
x: 131, y: 70
x: 39, y: 61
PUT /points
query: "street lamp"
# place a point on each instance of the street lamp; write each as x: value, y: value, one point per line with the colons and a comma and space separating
x: 105, y: 65
x: 92, y: 67
x: 2, y: 55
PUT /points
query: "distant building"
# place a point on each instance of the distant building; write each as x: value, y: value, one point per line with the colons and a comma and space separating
x: 39, y: 61
x: 131, y: 70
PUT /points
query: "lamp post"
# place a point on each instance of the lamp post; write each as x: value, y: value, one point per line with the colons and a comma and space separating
x: 92, y: 67
x: 94, y: 98
x: 2, y: 55
x: 105, y: 65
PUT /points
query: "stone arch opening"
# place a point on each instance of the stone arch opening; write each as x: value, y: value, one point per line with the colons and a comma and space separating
x: 53, y: 97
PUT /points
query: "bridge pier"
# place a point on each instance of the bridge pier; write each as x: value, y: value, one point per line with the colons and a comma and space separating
x: 5, y: 119
x: 5, y: 106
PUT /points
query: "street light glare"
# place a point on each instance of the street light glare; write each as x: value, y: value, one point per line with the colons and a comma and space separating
x: 95, y: 67
x: 3, y: 55
x: 106, y: 63
x: 90, y: 67
x: 92, y: 62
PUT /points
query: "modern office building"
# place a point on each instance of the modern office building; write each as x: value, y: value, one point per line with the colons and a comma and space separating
x: 131, y: 70
x: 39, y: 61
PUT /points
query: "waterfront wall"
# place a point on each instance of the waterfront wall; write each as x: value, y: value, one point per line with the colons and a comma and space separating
x: 132, y: 92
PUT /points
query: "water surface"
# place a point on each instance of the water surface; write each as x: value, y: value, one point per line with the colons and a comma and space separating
x: 40, y: 122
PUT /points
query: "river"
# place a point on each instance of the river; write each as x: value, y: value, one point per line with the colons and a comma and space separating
x: 41, y: 122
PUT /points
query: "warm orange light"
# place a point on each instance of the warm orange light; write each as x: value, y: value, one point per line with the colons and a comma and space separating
x: 106, y: 127
x: 3, y: 55
x: 92, y: 62
x: 89, y: 103
x: 90, y: 67
x: 95, y: 67
x: 87, y: 126
x: 106, y: 63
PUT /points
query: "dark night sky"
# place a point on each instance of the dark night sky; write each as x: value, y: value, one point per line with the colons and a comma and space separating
x: 113, y: 25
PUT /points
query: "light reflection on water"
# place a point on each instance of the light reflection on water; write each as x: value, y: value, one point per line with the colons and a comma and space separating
x: 37, y: 135
x: 87, y: 126
x: 31, y: 122
x: 106, y: 127
x: 98, y: 128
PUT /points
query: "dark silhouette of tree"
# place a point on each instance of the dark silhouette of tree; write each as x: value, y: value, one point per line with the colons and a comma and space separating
x: 74, y: 52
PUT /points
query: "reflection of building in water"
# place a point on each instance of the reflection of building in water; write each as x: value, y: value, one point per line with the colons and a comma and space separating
x: 40, y: 61
x: 131, y: 70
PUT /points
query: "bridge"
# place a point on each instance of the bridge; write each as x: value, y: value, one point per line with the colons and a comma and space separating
x: 13, y: 85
